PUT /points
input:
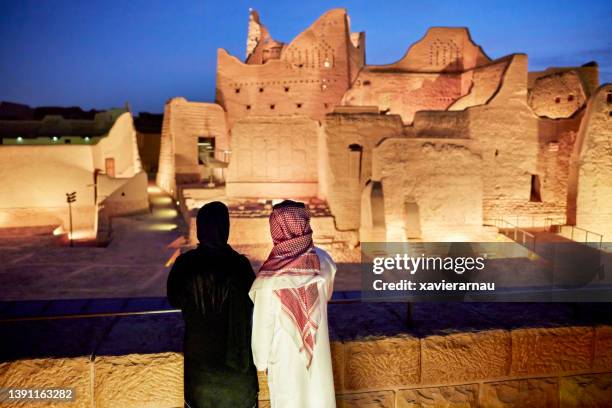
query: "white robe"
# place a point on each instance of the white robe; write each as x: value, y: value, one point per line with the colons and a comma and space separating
x: 291, y: 384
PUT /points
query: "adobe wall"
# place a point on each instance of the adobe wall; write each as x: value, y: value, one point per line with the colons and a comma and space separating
x: 347, y: 171
x: 120, y: 144
x: 484, y: 82
x: 166, y: 173
x: 591, y: 167
x: 123, y: 196
x: 558, y: 95
x: 589, y: 74
x: 148, y: 149
x: 35, y: 180
x: 442, y: 49
x: 310, y: 77
x: 509, y: 134
x: 431, y: 76
x: 274, y: 157
x: 442, y: 177
x: 183, y: 123
x: 405, y: 93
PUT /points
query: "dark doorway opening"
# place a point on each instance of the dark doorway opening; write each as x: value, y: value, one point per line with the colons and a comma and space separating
x: 535, y: 195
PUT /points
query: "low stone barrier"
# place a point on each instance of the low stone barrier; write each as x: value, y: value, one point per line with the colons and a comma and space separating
x: 536, y: 367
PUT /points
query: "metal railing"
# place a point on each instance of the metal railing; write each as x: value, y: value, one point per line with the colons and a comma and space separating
x: 512, y: 231
x: 553, y: 225
x: 575, y: 232
x: 132, y: 313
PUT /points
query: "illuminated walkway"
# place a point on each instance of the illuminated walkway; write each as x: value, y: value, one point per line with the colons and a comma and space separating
x: 133, y: 264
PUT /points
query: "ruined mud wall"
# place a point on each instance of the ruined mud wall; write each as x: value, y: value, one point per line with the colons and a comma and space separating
x: 350, y: 139
x: 310, y: 77
x: 590, y: 199
x: 184, y: 122
x: 433, y: 184
x: 274, y: 158
x: 431, y: 76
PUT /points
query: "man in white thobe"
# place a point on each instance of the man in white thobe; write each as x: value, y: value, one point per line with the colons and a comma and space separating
x: 290, y: 337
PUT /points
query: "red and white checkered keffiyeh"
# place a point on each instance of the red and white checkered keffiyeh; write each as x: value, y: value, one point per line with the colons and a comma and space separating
x: 294, y: 255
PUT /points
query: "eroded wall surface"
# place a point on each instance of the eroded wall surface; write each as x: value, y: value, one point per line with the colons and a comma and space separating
x: 590, y: 199
x: 431, y: 76
x: 184, y: 122
x: 432, y: 185
x: 274, y: 157
x: 558, y: 95
x: 311, y: 75
x: 350, y: 139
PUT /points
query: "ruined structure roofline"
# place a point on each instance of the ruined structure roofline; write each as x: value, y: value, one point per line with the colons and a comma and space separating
x: 328, y: 12
x: 397, y: 64
x: 182, y: 100
x: 383, y: 69
x: 222, y: 52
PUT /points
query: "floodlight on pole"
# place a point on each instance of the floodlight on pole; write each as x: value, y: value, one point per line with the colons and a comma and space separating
x: 70, y: 198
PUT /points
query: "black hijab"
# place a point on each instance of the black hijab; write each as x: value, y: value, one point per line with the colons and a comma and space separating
x: 213, y: 225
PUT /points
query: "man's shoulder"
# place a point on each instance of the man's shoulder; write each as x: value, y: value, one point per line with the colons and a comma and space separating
x: 324, y: 256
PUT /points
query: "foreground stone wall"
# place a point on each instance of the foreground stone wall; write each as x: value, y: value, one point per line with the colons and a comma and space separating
x: 535, y: 367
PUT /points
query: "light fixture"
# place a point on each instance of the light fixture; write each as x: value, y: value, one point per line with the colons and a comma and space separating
x: 55, y: 138
x: 87, y: 138
x: 20, y: 139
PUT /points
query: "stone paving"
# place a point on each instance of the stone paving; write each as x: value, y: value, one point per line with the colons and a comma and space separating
x: 133, y: 264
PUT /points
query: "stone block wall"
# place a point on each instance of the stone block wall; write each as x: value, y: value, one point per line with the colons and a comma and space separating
x: 528, y: 367
x: 542, y: 367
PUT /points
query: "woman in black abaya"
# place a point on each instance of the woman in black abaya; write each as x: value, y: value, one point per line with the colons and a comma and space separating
x: 210, y: 285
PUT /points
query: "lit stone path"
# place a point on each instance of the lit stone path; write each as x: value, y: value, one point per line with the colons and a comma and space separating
x: 133, y: 265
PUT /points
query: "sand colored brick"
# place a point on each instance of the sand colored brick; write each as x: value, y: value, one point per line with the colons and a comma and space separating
x: 376, y: 399
x: 390, y: 362
x: 465, y: 357
x: 307, y: 76
x: 49, y: 373
x: 134, y: 380
x: 551, y: 350
x: 602, y: 353
x: 337, y: 352
x: 558, y: 95
x: 459, y: 396
x: 586, y: 391
x: 533, y: 393
x: 264, y: 391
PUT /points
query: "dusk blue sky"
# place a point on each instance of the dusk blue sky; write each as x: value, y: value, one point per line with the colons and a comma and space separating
x: 101, y: 54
